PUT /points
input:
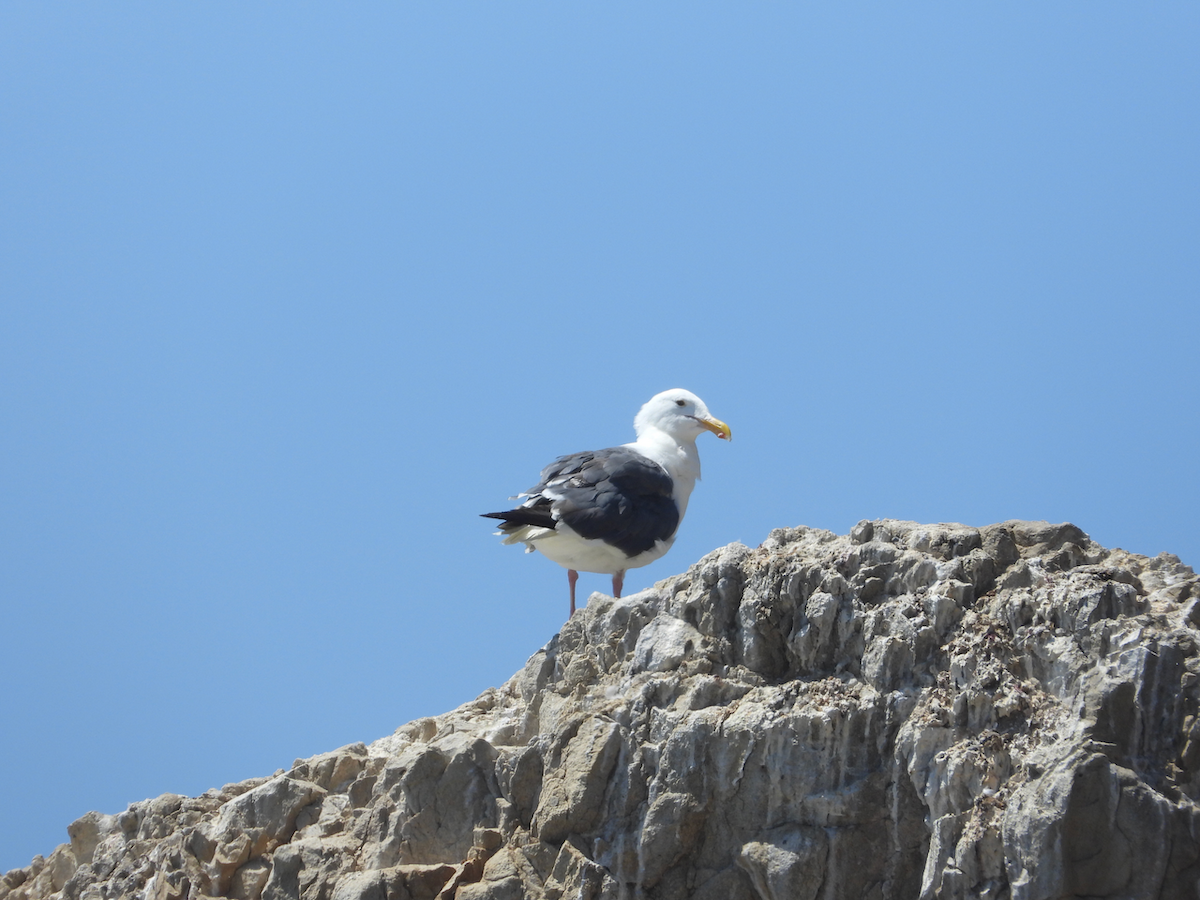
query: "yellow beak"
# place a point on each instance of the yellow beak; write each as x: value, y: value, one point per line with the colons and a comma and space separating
x: 717, y: 427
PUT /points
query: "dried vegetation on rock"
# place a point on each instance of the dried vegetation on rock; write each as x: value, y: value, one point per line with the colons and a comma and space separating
x: 906, y: 711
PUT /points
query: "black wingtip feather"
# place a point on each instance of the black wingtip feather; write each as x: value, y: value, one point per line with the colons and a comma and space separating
x: 524, y: 516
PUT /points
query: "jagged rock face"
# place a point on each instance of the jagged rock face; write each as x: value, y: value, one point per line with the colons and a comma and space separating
x: 907, y: 711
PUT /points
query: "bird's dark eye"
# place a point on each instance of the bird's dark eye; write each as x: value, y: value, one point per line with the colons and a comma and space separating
x: 681, y: 403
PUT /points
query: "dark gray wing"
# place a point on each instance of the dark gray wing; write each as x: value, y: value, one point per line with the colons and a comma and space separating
x: 614, y: 495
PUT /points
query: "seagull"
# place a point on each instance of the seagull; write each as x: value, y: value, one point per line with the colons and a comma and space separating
x: 612, y: 510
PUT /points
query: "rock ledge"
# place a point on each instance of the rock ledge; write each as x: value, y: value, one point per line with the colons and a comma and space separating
x: 907, y: 711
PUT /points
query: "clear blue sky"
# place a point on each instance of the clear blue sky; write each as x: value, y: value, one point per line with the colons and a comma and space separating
x: 292, y: 293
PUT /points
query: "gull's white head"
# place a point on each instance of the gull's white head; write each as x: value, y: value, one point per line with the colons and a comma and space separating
x: 680, y: 414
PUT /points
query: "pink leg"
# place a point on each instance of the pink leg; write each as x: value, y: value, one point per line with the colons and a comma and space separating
x: 572, y: 577
x: 618, y: 583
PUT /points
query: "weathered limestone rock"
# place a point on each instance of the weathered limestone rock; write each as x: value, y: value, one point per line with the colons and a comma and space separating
x: 924, y: 711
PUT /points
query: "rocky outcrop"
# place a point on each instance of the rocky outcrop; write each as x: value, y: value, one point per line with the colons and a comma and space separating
x: 907, y: 711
